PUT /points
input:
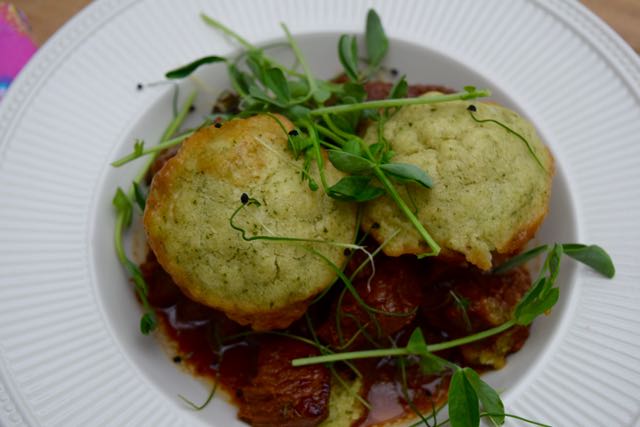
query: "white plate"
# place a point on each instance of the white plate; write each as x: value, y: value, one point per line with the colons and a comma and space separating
x: 70, y: 352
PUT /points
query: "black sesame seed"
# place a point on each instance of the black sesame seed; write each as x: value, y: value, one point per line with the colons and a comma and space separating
x: 244, y: 198
x: 177, y: 359
x: 394, y: 72
x: 192, y: 109
x: 293, y: 132
x: 218, y: 125
x: 139, y: 86
x: 472, y: 108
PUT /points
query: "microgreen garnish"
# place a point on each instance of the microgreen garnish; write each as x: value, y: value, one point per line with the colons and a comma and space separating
x: 247, y: 201
x: 466, y: 389
x: 212, y: 393
x: 348, y: 55
x: 266, y: 86
x: 472, y: 110
x: 592, y: 255
x: 386, y: 103
x: 376, y: 41
x: 124, y: 203
x: 185, y: 70
x: 540, y: 298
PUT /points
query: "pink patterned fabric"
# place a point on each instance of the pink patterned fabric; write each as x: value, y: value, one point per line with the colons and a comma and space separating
x: 16, y: 47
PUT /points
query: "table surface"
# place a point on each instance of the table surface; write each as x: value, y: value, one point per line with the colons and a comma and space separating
x: 47, y: 16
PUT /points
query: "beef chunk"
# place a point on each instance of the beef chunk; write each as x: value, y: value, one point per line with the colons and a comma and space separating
x: 395, y: 288
x: 461, y: 301
x: 281, y: 395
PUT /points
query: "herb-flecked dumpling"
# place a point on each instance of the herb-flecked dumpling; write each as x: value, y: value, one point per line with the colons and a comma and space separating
x: 489, y: 196
x: 267, y: 284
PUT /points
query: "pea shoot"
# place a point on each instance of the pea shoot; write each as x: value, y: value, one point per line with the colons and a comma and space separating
x: 124, y: 204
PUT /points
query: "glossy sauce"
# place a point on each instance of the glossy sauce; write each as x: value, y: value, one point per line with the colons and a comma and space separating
x: 210, y: 345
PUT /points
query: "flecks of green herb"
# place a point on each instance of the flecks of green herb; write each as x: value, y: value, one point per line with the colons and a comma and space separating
x: 186, y: 70
x: 472, y: 109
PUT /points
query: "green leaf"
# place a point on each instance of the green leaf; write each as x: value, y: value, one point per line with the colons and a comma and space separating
x: 275, y: 80
x: 298, y: 88
x: 354, y: 92
x: 348, y: 162
x: 417, y: 344
x: 377, y: 149
x: 240, y: 80
x: 123, y: 206
x: 407, y: 173
x: 324, y: 91
x: 299, y: 144
x: 148, y: 323
x: 140, y: 196
x: 432, y: 364
x: 387, y: 156
x: 255, y: 62
x: 593, y: 256
x: 185, y: 70
x: 298, y: 112
x: 355, y: 188
x: 260, y: 95
x: 344, y: 123
x: 553, y: 264
x: 400, y: 89
x: 464, y: 410
x: 530, y: 297
x: 138, y: 147
x: 489, y: 398
x: 538, y: 307
x: 521, y: 259
x: 376, y: 40
x: 348, y: 55
x: 353, y: 146
x: 321, y: 95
